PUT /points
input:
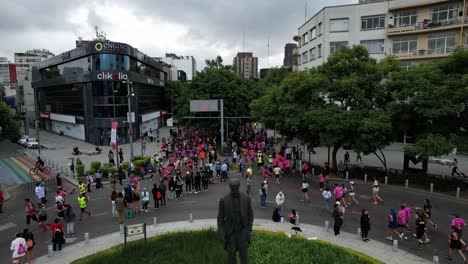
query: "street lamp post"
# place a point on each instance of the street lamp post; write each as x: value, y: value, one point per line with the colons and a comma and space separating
x: 130, y: 119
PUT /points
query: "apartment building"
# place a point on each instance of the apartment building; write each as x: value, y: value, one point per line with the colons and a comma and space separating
x: 414, y: 31
x: 25, y: 60
x: 246, y: 65
x: 425, y: 30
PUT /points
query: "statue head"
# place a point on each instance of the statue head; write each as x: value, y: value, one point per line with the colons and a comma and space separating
x: 234, y: 185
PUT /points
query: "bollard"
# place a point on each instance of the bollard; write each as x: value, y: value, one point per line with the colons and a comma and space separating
x: 155, y: 221
x: 386, y: 180
x: 190, y: 218
x: 365, y: 178
x: 406, y: 184
x: 121, y: 229
x: 435, y: 259
x: 327, y: 226
x: 395, y: 245
x: 347, y: 175
x: 50, y: 251
x: 458, y: 192
x: 431, y: 188
x: 313, y: 172
x: 86, y: 238
x: 358, y: 234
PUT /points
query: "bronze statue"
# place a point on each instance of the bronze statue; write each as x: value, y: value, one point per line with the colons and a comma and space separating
x: 235, y: 219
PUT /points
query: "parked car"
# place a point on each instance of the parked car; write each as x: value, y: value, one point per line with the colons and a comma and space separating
x: 23, y: 140
x: 32, y: 143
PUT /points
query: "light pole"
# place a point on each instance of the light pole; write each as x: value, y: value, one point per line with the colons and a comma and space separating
x: 130, y: 119
x: 117, y: 132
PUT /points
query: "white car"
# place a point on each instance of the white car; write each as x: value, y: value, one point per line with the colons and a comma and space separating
x: 23, y: 140
x: 32, y: 143
x: 444, y: 162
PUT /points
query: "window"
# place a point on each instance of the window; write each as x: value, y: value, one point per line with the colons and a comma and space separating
x: 373, y: 46
x: 406, y: 18
x: 337, y: 46
x: 404, y: 45
x: 312, y: 54
x: 444, y: 13
x: 319, y: 51
x: 319, y: 28
x: 305, y: 38
x: 313, y: 33
x: 372, y: 22
x: 441, y: 42
x: 305, y: 58
x: 339, y: 25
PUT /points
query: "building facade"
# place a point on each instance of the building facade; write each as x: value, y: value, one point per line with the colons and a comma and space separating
x: 290, y: 60
x: 246, y: 65
x: 82, y: 91
x: 413, y: 30
x: 188, y: 64
x: 25, y: 60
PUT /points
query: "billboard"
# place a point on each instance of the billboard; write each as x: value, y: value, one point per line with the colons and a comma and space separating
x: 204, y: 106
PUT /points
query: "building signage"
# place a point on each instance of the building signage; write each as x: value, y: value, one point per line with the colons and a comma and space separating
x: 45, y: 115
x: 113, y: 76
x: 111, y: 46
x: 114, y: 134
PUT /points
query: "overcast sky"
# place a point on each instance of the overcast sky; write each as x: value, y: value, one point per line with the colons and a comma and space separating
x: 201, y: 28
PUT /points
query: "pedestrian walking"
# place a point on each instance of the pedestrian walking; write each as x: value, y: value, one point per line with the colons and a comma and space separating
x: 188, y: 182
x: 375, y: 192
x: 120, y: 206
x: 30, y: 242
x: 352, y: 193
x: 456, y: 243
x: 358, y: 157
x: 321, y: 181
x: 277, y: 171
x: 305, y: 190
x: 82, y: 187
x: 458, y: 223
x: 110, y: 156
x: 145, y: 198
x: 114, y: 208
x: 70, y: 219
x: 338, y: 217
x: 346, y: 159
x: 162, y: 189
x: 280, y: 203
x: 392, y: 224
x: 263, y: 194
x: 421, y: 228
x: 427, y: 209
x: 18, y: 247
x: 89, y: 181
x: 205, y: 179
x: 326, y: 194
x: 30, y: 212
x: 71, y: 165
x: 98, y: 176
x: 40, y: 193
x: 341, y: 168
x: 58, y: 237
x: 172, y: 186
x: 155, y: 192
x: 83, y: 203
x: 121, y: 157
x: 365, y: 225
x: 42, y: 216
x: 455, y: 167
x: 401, y: 220
x: 197, y: 182
x: 58, y: 180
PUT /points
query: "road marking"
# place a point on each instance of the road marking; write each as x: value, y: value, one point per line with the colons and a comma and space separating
x: 7, y: 225
x: 100, y: 214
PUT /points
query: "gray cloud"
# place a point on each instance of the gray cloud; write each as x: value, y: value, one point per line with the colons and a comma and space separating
x: 216, y: 25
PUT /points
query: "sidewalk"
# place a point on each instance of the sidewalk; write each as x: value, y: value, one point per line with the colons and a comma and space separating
x: 377, y: 250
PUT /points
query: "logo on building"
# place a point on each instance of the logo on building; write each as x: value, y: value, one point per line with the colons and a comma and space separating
x: 111, y: 46
x: 117, y: 76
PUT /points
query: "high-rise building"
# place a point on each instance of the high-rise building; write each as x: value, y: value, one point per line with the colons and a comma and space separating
x: 246, y: 65
x: 188, y: 64
x: 4, y: 71
x: 25, y: 60
x: 290, y: 60
x: 8, y: 78
x: 414, y: 31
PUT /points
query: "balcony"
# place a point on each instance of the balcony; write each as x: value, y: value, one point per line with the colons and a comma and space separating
x: 425, y: 54
x: 426, y: 26
x: 397, y: 5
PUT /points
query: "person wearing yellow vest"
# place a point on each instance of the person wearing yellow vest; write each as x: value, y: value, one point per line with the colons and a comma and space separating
x: 82, y: 187
x: 83, y: 202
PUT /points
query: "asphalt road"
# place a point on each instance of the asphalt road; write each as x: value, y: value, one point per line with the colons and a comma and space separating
x: 205, y: 205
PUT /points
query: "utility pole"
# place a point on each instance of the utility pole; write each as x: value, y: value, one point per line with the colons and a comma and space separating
x: 222, y: 122
x: 130, y: 118
x: 38, y: 140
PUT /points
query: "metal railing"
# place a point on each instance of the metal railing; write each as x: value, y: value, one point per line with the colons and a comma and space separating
x: 425, y: 52
x: 425, y: 25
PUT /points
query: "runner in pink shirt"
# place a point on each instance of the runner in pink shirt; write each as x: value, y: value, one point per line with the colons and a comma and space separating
x: 402, y: 221
x: 458, y: 223
x: 287, y: 166
x: 321, y: 181
x: 338, y: 193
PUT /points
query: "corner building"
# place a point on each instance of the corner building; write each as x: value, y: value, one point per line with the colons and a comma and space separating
x: 82, y: 91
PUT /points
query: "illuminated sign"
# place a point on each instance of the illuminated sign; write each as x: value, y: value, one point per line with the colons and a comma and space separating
x: 117, y: 76
x: 111, y: 46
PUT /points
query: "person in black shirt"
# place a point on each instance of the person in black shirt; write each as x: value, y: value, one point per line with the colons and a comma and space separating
x: 365, y: 225
x: 338, y: 216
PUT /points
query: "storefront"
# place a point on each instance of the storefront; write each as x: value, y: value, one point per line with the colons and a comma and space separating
x: 84, y: 90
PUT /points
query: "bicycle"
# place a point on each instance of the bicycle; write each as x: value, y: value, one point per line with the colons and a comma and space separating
x: 37, y: 170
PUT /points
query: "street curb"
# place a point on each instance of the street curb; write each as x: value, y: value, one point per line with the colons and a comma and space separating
x: 374, y: 249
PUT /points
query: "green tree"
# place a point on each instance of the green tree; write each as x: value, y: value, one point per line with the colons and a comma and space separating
x: 9, y: 126
x: 429, y: 146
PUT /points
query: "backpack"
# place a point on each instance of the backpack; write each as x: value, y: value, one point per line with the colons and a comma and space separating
x: 158, y: 195
x: 21, y: 250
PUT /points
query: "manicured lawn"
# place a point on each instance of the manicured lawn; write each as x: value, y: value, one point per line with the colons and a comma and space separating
x: 204, y: 247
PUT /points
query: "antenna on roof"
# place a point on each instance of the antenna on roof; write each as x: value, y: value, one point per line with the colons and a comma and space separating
x: 268, y: 45
x: 100, y: 35
x: 305, y: 11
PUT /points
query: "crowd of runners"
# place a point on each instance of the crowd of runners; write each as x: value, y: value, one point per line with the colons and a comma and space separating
x: 188, y: 161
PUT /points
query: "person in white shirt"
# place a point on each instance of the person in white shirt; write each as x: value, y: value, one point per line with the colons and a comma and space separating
x: 145, y: 198
x: 280, y: 202
x: 19, y: 247
x: 40, y: 193
x: 326, y: 196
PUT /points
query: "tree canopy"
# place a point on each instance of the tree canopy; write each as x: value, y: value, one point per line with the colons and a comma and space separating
x: 9, y: 127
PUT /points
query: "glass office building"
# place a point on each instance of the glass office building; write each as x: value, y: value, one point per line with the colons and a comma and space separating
x: 82, y: 91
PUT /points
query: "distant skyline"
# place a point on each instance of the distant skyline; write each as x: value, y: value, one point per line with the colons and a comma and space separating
x: 201, y: 28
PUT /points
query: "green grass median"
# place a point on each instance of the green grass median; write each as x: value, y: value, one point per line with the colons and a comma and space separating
x: 204, y: 247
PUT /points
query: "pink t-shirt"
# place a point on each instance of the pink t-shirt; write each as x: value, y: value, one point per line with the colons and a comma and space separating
x: 305, y: 166
x: 402, y: 217
x: 338, y: 192
x: 321, y: 178
x: 408, y: 213
x: 287, y: 163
